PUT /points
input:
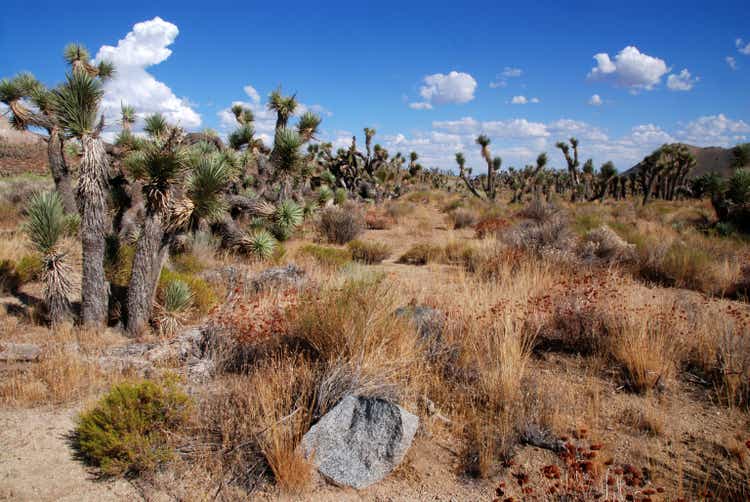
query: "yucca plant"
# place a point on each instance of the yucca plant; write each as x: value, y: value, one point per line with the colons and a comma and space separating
x: 176, y: 301
x: 127, y: 116
x: 339, y: 196
x: 45, y: 226
x: 156, y: 125
x: 210, y: 175
x: 260, y: 244
x: 324, y: 194
x: 288, y: 217
x: 76, y: 105
x: 284, y: 106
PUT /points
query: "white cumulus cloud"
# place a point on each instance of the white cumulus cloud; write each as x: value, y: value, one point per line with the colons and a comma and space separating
x: 596, y: 100
x: 502, y: 78
x: 743, y: 47
x: 523, y: 100
x: 146, y: 45
x: 631, y: 68
x: 731, y: 62
x: 454, y: 87
x: 714, y: 130
x: 420, y: 105
x: 682, y: 81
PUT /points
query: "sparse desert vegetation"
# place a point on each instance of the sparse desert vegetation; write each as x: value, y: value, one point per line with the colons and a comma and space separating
x: 230, y: 320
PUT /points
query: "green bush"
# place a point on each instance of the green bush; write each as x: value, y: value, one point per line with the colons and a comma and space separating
x: 339, y: 225
x: 421, y: 254
x: 29, y: 268
x: 369, y: 252
x: 204, y: 297
x: 187, y: 263
x: 118, y: 262
x: 327, y: 256
x: 127, y: 431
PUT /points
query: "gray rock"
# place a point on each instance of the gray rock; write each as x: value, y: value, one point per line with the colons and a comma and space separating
x: 287, y: 277
x: 19, y: 352
x: 360, y: 441
x: 429, y: 322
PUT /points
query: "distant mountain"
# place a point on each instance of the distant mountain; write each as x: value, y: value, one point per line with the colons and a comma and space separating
x: 708, y: 159
x: 21, y: 151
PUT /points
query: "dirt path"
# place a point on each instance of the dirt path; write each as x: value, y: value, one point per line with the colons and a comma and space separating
x: 36, y: 462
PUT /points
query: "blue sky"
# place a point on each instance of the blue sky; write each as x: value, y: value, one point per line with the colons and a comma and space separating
x: 428, y: 76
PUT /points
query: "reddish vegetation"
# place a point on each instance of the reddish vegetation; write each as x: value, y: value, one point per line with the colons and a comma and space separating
x: 490, y: 226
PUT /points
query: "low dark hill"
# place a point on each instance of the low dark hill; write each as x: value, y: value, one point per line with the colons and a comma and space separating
x: 708, y: 159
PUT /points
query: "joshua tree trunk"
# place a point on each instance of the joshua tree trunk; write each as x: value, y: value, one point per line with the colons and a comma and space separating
x: 150, y: 253
x: 92, y: 202
x: 60, y: 172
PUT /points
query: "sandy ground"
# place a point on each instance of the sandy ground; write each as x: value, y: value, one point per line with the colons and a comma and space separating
x: 36, y: 463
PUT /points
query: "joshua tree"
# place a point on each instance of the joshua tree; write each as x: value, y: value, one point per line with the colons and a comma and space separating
x: 175, y: 192
x: 76, y: 105
x: 45, y: 227
x: 127, y: 117
x: 484, y: 142
x: 12, y: 93
x: 572, y: 161
x: 156, y: 126
x: 464, y: 173
x: 607, y: 173
x: 284, y: 106
x: 77, y: 56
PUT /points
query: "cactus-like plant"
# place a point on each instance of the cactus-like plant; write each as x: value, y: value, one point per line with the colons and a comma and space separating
x: 288, y: 217
x: 260, y: 244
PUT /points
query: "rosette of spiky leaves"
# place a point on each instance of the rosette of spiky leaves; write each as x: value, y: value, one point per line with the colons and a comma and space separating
x: 161, y: 164
x: 76, y: 103
x: 45, y: 226
x: 177, y: 299
x: 241, y: 137
x: 127, y: 116
x: 286, y: 154
x: 328, y: 178
x: 242, y: 115
x: 339, y: 196
x: 156, y: 125
x: 206, y: 183
x: 288, y: 217
x: 310, y: 208
x: 284, y: 106
x: 260, y: 244
x: 308, y: 125
x: 324, y: 194
x: 258, y: 223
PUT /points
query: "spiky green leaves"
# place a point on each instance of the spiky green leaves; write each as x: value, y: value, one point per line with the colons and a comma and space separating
x: 328, y: 177
x: 160, y: 164
x: 76, y: 103
x: 308, y: 125
x: 324, y: 194
x: 260, y: 244
x: 339, y: 196
x: 282, y: 105
x: 177, y: 296
x: 460, y: 160
x: 156, y: 125
x: 46, y: 222
x: 287, y: 218
x: 127, y: 115
x: 242, y: 115
x: 75, y: 53
x: 483, y: 140
x: 241, y: 137
x: 286, y: 155
x: 208, y: 179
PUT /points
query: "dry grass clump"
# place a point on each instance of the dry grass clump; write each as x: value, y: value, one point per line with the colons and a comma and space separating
x: 646, y: 419
x: 605, y: 245
x: 378, y: 220
x: 339, y: 225
x: 491, y: 226
x: 539, y: 210
x: 369, y: 252
x: 398, y: 210
x: 546, y: 236
x: 421, y: 254
x: 327, y: 256
x: 462, y: 218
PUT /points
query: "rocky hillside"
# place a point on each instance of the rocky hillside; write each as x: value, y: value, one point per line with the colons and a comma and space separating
x: 708, y: 159
x: 21, y: 151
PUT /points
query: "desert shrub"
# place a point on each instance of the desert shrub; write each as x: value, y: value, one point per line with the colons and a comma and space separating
x: 339, y: 225
x: 325, y: 193
x: 604, y: 244
x: 252, y: 434
x: 9, y: 280
x: 118, y: 262
x: 29, y: 268
x: 72, y: 224
x: 327, y: 256
x: 127, y: 431
x: 458, y: 252
x: 399, y: 210
x: 552, y: 234
x: 369, y: 252
x: 586, y: 221
x: 187, y: 263
x: 421, y: 254
x: 287, y: 218
x: 462, y: 218
x: 453, y: 204
x: 339, y: 196
x: 490, y: 226
x: 538, y: 210
x: 204, y: 297
x: 375, y: 220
